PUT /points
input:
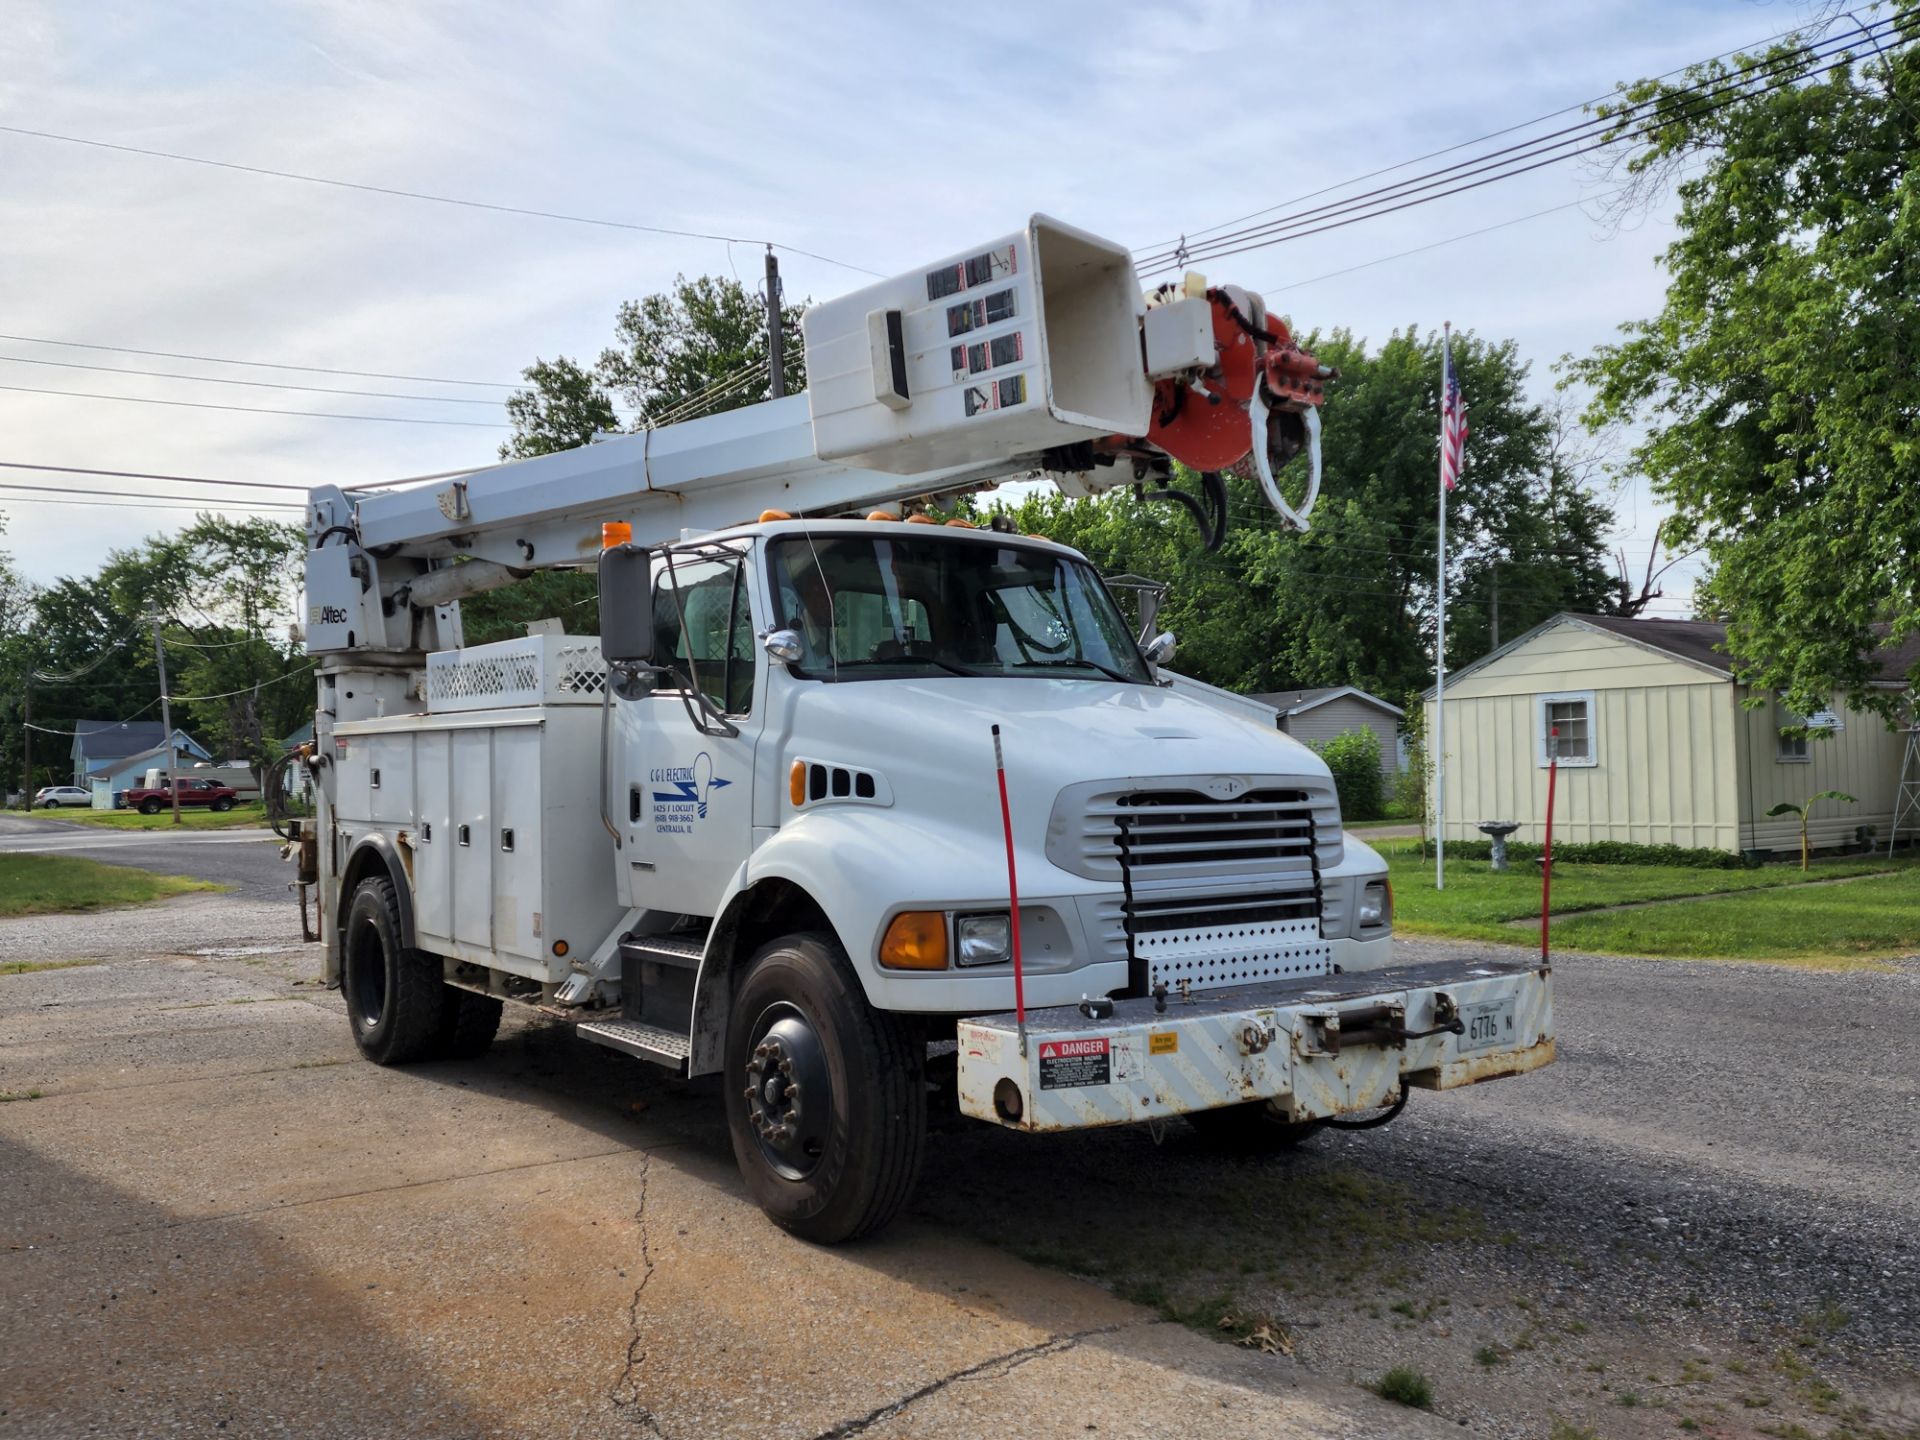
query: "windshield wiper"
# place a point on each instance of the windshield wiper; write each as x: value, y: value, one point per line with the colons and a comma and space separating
x: 1080, y: 662
x: 948, y: 665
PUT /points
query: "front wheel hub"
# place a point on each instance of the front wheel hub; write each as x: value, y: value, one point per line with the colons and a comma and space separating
x: 788, y: 1094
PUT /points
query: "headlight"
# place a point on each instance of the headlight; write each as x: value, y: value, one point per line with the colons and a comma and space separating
x: 983, y: 939
x: 1376, y: 905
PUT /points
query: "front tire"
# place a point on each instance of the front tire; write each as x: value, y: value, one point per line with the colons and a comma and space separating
x: 826, y: 1096
x: 1255, y: 1128
x: 395, y: 997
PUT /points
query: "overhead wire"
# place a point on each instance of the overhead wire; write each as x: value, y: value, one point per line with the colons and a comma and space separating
x: 1775, y: 72
x: 130, y: 495
x: 148, y: 475
x: 263, y: 364
x: 251, y: 384
x: 256, y: 409
x: 1450, y: 149
x: 421, y: 195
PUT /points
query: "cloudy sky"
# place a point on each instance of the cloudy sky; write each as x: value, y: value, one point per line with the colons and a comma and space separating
x: 879, y: 134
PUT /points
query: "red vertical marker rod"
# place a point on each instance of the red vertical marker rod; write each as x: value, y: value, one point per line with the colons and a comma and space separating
x: 1013, y: 894
x: 1546, y: 857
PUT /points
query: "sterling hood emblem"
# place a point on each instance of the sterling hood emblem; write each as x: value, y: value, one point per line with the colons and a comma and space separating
x: 1223, y: 787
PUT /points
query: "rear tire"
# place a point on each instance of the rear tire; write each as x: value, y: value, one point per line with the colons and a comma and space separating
x: 468, y: 1023
x: 394, y: 994
x: 149, y: 807
x: 1254, y: 1128
x: 826, y: 1096
x: 223, y: 804
x: 49, y: 804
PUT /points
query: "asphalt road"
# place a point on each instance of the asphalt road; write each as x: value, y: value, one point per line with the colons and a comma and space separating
x: 247, y: 860
x: 1704, y: 1216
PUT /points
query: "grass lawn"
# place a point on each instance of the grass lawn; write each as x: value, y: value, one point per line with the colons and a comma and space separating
x: 194, y: 817
x: 1769, y: 913
x: 57, y: 884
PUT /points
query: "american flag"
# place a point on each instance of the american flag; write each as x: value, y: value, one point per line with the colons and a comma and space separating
x: 1453, y: 427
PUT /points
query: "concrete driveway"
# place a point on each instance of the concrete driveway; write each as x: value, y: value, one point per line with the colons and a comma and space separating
x: 217, y: 1220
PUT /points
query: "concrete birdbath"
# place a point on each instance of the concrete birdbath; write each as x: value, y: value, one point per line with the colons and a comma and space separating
x: 1499, y: 830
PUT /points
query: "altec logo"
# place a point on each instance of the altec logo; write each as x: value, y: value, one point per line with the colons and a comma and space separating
x: 1069, y: 1049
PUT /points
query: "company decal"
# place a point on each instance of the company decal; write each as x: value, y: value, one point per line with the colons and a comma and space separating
x: 1075, y: 1064
x: 327, y: 615
x: 682, y: 794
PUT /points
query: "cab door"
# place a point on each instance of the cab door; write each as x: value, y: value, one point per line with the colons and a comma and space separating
x: 689, y: 802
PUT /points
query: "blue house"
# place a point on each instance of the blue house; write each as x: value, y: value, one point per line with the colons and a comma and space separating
x: 111, y: 755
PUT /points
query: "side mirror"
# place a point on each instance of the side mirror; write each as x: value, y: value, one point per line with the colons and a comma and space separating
x: 626, y: 605
x: 1157, y: 652
x: 785, y: 646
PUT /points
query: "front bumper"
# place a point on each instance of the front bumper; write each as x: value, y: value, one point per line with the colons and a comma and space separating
x: 1318, y: 1047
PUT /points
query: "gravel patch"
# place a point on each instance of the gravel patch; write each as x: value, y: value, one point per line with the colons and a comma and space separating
x: 184, y: 925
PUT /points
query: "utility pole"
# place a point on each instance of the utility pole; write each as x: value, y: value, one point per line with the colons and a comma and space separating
x: 1496, y: 609
x: 776, y: 340
x: 26, y: 794
x: 166, y: 715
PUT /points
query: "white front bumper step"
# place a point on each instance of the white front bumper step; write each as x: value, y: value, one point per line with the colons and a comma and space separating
x: 1317, y: 1047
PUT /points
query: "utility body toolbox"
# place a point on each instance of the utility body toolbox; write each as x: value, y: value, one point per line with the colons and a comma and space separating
x: 492, y: 801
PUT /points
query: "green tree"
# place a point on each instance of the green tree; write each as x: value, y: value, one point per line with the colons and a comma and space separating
x: 1778, y: 387
x: 698, y: 348
x: 1352, y: 600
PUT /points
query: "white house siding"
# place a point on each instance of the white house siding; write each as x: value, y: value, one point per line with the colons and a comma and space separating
x: 1665, y: 771
x: 1323, y: 722
x: 1862, y: 758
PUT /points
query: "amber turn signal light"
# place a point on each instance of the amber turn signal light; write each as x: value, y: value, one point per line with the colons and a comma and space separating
x: 797, y: 784
x: 916, y: 940
x: 615, y: 532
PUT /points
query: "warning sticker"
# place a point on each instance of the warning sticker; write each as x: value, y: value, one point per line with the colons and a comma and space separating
x: 977, y: 270
x: 1074, y: 1064
x: 978, y: 314
x: 1164, y: 1042
x: 997, y: 395
x: 987, y: 354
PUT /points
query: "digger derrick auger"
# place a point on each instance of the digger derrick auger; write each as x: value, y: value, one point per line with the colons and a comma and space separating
x: 1253, y: 405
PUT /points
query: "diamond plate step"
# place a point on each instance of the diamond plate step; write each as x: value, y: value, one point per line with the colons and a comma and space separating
x: 635, y: 1037
x: 684, y: 950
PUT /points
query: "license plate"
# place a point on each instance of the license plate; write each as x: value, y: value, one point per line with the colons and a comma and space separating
x: 1488, y: 1023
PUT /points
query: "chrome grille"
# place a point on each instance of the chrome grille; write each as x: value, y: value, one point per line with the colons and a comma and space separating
x: 1213, y: 891
x: 1270, y: 829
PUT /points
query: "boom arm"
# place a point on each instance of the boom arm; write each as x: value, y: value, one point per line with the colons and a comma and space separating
x: 1073, y: 374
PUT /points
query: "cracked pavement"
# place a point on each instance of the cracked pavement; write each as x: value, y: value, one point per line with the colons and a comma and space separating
x: 216, y: 1219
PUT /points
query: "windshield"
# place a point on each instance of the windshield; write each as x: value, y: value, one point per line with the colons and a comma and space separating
x: 871, y: 608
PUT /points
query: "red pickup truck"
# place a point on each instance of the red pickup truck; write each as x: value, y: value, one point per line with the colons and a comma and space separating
x: 152, y: 799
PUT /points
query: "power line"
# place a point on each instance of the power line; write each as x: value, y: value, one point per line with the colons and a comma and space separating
x: 252, y: 384
x: 263, y: 364
x: 125, y: 498
x: 146, y: 475
x: 1516, y: 160
x: 1447, y: 150
x: 257, y: 409
x: 425, y: 196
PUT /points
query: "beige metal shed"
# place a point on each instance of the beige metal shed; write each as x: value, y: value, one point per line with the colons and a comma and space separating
x: 1656, y: 743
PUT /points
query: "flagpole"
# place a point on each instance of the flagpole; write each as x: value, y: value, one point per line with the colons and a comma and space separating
x: 1440, y: 636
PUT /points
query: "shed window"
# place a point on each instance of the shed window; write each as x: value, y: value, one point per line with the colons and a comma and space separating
x: 1565, y: 728
x: 1795, y: 731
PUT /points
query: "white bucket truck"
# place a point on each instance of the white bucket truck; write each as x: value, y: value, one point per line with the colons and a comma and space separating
x: 754, y: 828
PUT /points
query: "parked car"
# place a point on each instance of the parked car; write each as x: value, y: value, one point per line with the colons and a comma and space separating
x: 152, y: 799
x: 52, y: 797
